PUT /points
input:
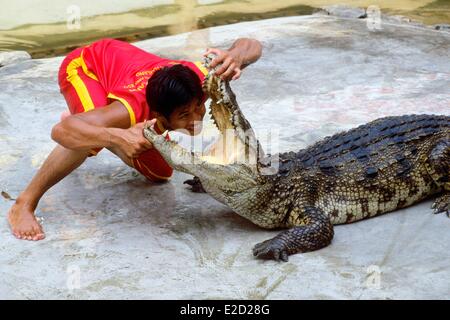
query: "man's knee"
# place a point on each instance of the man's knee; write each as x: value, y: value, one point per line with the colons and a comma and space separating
x: 157, y: 171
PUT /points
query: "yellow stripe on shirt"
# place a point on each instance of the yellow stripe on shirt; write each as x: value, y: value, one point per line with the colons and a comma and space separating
x: 127, y: 105
x: 86, y: 70
x: 202, y: 68
x: 78, y: 84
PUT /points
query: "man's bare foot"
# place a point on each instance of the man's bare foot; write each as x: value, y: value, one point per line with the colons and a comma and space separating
x: 24, y: 224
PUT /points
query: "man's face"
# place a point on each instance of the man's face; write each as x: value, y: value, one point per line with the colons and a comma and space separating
x: 189, y: 117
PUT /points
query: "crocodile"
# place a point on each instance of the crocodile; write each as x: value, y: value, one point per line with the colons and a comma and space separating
x: 378, y: 167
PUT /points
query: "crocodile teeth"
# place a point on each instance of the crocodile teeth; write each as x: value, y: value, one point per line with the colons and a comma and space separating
x: 165, y: 133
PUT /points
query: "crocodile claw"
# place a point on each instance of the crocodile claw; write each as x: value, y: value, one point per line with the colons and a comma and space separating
x: 196, y: 185
x: 442, y: 204
x: 271, y: 249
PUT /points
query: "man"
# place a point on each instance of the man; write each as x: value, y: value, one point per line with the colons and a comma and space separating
x: 111, y: 88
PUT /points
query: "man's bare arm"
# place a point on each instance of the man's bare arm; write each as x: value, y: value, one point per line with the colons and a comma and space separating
x: 103, y: 127
x: 250, y: 50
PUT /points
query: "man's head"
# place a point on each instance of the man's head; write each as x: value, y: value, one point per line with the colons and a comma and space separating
x: 176, y: 95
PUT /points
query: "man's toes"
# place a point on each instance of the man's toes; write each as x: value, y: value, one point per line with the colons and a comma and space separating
x: 39, y: 236
x: 22, y: 234
x: 37, y: 229
x: 38, y: 232
x: 28, y: 235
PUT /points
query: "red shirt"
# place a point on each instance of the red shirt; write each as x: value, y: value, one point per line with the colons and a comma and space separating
x: 123, y: 70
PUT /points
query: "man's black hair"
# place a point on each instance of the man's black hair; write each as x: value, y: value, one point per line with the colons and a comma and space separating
x: 172, y: 87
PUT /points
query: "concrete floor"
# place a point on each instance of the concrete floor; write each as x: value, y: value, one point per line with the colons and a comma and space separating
x: 111, y: 234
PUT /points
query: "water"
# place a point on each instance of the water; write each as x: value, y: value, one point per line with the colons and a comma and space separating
x: 48, y: 28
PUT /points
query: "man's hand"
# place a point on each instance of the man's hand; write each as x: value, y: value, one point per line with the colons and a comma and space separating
x: 132, y: 141
x: 231, y: 63
x: 242, y: 53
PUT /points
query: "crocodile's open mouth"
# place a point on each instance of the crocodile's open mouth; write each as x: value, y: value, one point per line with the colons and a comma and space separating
x: 237, y: 142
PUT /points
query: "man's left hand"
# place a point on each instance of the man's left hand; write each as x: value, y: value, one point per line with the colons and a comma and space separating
x: 230, y: 60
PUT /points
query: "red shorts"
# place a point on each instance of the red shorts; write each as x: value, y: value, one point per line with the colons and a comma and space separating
x: 83, y: 92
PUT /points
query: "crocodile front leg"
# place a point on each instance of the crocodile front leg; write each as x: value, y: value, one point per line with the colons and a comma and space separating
x: 315, y: 232
x: 196, y: 185
x: 439, y: 167
x: 442, y: 204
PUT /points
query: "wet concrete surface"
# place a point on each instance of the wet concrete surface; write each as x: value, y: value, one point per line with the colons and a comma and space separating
x: 111, y: 234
